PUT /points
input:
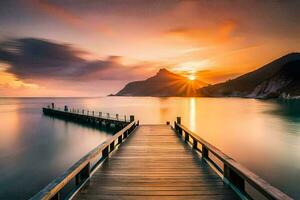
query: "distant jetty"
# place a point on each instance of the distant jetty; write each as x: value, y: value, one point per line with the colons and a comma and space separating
x: 91, y: 118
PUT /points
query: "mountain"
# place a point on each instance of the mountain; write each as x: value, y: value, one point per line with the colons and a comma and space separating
x: 280, y: 78
x: 164, y: 83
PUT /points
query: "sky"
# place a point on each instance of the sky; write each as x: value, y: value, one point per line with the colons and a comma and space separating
x: 93, y: 48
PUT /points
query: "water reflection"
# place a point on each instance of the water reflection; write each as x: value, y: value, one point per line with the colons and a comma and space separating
x: 192, y: 111
x: 288, y: 109
x: 34, y: 148
x: 262, y: 135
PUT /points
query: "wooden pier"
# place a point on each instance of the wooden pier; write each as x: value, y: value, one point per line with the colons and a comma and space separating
x: 91, y: 118
x: 158, y: 162
x: 155, y: 164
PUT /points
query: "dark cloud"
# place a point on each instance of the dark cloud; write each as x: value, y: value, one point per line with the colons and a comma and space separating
x: 31, y: 58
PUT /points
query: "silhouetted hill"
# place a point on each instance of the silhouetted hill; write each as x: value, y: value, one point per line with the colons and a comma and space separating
x: 164, y: 83
x: 279, y: 78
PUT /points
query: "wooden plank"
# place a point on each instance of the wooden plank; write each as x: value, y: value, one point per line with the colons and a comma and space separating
x: 57, y: 184
x: 155, y: 164
x: 232, y: 167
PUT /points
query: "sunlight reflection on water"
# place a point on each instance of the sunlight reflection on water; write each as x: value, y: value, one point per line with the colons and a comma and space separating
x: 262, y: 135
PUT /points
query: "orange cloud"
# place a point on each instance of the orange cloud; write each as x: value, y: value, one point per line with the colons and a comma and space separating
x: 10, y: 81
x: 207, y: 36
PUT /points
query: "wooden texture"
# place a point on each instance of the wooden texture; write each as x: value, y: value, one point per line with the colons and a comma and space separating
x: 53, y: 188
x: 153, y: 163
x: 241, y: 173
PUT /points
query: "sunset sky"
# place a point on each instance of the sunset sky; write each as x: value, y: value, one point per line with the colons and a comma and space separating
x: 93, y: 48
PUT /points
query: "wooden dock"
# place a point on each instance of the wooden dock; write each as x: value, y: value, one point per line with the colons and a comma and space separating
x: 90, y: 118
x: 155, y: 162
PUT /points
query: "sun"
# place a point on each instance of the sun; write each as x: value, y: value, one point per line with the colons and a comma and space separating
x: 191, y: 77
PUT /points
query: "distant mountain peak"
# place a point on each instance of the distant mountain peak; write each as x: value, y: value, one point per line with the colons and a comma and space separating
x: 164, y: 83
x: 163, y: 71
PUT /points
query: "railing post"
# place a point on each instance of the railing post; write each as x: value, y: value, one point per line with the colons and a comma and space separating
x: 82, y: 111
x: 56, y: 196
x: 82, y: 175
x: 112, y: 146
x: 52, y: 105
x: 100, y: 114
x: 178, y: 119
x: 204, y: 152
x: 125, y: 117
x: 195, y: 143
x: 120, y: 139
x: 131, y: 118
x: 66, y: 108
x: 107, y: 115
x: 93, y: 113
x: 180, y: 131
x: 105, y: 152
x: 117, y: 116
x: 186, y: 136
x: 234, y: 178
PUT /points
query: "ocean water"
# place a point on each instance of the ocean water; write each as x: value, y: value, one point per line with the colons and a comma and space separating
x: 263, y: 135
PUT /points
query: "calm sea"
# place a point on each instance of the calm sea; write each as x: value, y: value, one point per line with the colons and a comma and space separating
x: 263, y: 135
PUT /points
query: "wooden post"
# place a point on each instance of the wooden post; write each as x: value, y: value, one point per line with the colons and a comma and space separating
x: 100, y: 114
x: 93, y: 113
x: 56, y: 196
x: 125, y: 117
x: 107, y: 115
x: 120, y: 139
x: 82, y: 175
x: 105, y: 152
x: 82, y: 111
x: 112, y: 146
x: 131, y: 118
x: 178, y: 120
x: 204, y: 152
x: 186, y: 136
x: 117, y: 116
x: 66, y: 108
x: 234, y: 178
x: 195, y: 144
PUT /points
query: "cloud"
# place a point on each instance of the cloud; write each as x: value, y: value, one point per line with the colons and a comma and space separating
x: 222, y: 33
x: 70, y: 17
x: 31, y: 58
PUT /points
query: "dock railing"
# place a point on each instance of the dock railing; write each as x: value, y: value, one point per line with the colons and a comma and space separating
x: 93, y: 113
x: 242, y: 180
x: 81, y: 171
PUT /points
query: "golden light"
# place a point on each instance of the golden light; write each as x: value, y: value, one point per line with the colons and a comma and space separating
x: 191, y: 77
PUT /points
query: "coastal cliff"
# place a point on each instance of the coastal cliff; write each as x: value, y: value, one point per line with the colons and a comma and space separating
x: 280, y: 78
